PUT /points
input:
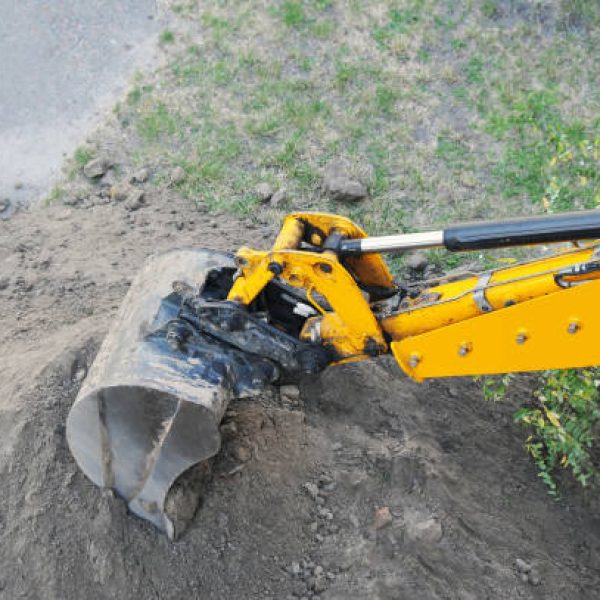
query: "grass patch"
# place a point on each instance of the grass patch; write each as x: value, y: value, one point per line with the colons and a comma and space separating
x: 166, y: 37
x: 82, y: 156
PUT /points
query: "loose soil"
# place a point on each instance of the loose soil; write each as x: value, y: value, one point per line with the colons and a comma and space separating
x: 417, y: 491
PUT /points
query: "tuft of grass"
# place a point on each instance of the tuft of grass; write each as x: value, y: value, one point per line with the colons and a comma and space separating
x: 82, y: 156
x: 157, y: 122
x: 292, y: 13
x: 166, y: 37
x: 56, y: 194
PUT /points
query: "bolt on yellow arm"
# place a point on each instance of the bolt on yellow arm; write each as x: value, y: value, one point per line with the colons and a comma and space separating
x: 536, y: 315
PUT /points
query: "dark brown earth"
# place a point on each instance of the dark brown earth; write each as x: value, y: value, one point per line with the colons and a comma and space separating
x: 442, y: 472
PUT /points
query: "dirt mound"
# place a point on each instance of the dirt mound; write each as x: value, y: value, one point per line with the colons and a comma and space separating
x: 366, y: 486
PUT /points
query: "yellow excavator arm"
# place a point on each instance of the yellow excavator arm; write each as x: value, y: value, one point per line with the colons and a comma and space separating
x: 540, y: 314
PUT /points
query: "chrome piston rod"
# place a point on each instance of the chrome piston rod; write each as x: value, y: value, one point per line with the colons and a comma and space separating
x: 393, y: 243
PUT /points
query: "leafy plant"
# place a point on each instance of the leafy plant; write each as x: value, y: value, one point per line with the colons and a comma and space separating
x: 563, y: 421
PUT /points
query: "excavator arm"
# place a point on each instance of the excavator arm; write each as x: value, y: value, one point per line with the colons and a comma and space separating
x: 535, y: 315
x: 199, y: 328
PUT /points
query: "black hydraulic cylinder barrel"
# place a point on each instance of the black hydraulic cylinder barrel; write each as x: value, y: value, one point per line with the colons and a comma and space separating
x: 565, y: 227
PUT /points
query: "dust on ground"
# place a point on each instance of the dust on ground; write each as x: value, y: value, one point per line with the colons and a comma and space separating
x: 367, y: 485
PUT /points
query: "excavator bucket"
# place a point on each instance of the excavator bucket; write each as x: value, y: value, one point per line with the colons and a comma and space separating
x: 151, y: 405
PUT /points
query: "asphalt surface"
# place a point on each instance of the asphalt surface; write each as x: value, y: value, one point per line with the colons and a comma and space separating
x: 62, y: 64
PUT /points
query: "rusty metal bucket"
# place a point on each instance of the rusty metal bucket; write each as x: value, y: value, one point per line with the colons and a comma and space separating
x: 147, y: 411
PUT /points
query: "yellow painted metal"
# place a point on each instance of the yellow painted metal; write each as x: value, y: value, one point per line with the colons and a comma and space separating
x: 291, y: 234
x: 350, y: 327
x: 555, y: 331
x: 254, y: 275
x: 371, y: 269
x: 454, y: 302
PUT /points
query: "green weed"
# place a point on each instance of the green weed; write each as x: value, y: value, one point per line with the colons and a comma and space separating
x: 167, y: 37
x: 82, y: 156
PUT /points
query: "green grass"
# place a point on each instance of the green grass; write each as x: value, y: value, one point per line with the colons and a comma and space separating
x: 82, y: 156
x: 166, y: 37
x: 455, y: 117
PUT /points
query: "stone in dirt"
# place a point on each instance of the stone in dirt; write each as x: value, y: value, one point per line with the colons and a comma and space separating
x: 522, y: 566
x: 4, y: 205
x: 534, y: 577
x: 339, y: 184
x: 243, y: 453
x: 177, y: 176
x: 264, y: 191
x: 96, y: 167
x: 383, y: 517
x: 311, y: 489
x: 428, y: 531
x: 290, y: 391
x: 417, y: 261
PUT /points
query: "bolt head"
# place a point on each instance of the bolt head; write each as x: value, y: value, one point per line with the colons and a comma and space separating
x: 414, y: 360
x: 464, y: 349
x: 275, y: 268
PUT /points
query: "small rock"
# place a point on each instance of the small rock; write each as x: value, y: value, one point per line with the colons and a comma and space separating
x: 96, y: 167
x: 294, y: 569
x: 135, y: 200
x: 264, y: 191
x: 524, y: 577
x: 229, y: 428
x: 140, y: 176
x: 325, y: 480
x: 339, y: 185
x: 4, y: 283
x: 428, y: 531
x: 522, y: 566
x: 312, y: 490
x: 383, y: 517
x: 243, y: 453
x: 534, y: 577
x: 4, y: 205
x: 417, y: 261
x: 290, y: 391
x: 80, y: 374
x: 177, y: 176
x: 318, y: 570
x: 314, y: 527
x: 19, y: 185
x: 278, y: 198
